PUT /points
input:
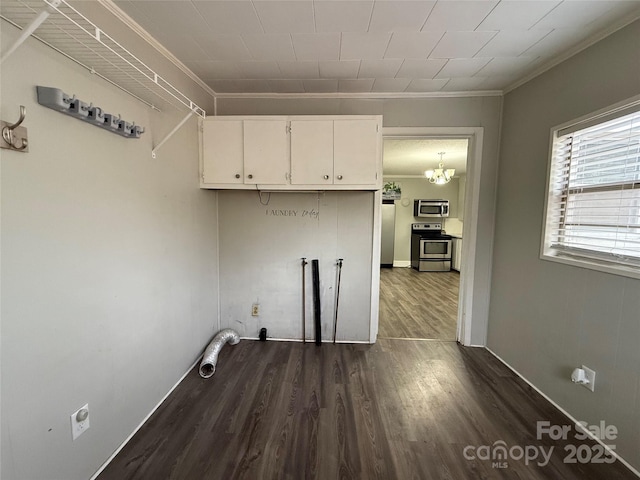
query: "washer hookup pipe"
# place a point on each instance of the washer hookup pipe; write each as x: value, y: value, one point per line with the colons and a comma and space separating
x: 335, y: 320
x: 304, y: 306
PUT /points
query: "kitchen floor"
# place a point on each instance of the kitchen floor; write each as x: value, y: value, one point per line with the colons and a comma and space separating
x: 419, y: 305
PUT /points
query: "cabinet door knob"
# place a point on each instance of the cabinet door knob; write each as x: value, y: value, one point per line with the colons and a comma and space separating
x: 237, y: 175
x: 326, y: 177
x: 250, y: 176
x: 339, y: 177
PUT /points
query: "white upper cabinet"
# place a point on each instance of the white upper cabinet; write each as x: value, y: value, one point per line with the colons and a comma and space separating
x: 266, y: 157
x: 311, y: 152
x: 292, y: 152
x: 355, y: 152
x: 222, y: 152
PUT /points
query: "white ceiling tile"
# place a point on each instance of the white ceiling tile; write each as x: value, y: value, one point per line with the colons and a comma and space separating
x: 215, y: 70
x: 414, y: 68
x: 270, y: 47
x: 333, y: 46
x: 184, y: 47
x: 505, y: 66
x: 169, y: 17
x: 229, y: 16
x: 390, y: 84
x: 458, y: 15
x: 240, y: 86
x: 399, y: 15
x: 356, y: 46
x: 379, y: 68
x: 299, y: 69
x: 556, y: 42
x: 617, y: 15
x: 510, y: 43
x: 412, y: 44
x: 255, y: 70
x: 342, y: 16
x: 286, y: 16
x: 463, y: 84
x: 224, y: 47
x: 461, y: 44
x: 286, y: 86
x: 517, y: 14
x: 426, y: 85
x: 316, y: 46
x: 462, y: 67
x: 497, y: 82
x: 320, y: 86
x: 567, y: 14
x: 342, y: 69
x: 350, y: 85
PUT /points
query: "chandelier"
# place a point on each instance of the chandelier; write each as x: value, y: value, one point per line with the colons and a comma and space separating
x: 440, y: 176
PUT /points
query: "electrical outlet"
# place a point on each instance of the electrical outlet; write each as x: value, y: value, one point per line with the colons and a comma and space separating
x: 255, y: 310
x: 80, y: 421
x: 591, y: 376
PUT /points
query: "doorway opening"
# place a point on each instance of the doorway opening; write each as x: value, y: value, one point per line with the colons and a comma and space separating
x: 416, y: 303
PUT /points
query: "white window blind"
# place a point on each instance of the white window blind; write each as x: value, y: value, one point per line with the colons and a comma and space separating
x: 593, y: 208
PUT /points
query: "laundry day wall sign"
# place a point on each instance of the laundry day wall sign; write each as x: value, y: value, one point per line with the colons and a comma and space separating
x: 298, y: 213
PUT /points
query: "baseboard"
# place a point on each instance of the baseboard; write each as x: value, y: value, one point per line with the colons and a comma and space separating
x: 309, y: 340
x: 144, y: 420
x: 571, y: 417
x: 402, y: 263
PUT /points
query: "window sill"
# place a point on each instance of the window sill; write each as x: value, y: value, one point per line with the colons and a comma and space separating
x: 592, y: 264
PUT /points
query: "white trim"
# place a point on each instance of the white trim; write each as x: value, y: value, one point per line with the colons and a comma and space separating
x: 309, y: 341
x: 571, y: 417
x: 472, y: 195
x: 375, y: 257
x: 365, y: 95
x: 144, y: 420
x: 567, y: 54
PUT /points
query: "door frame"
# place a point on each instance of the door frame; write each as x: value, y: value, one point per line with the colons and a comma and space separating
x: 468, y: 291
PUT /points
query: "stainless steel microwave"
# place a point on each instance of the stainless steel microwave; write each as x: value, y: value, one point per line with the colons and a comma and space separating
x: 431, y: 208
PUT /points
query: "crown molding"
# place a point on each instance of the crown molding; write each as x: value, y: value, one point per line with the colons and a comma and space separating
x: 566, y: 55
x: 135, y: 27
x: 364, y: 95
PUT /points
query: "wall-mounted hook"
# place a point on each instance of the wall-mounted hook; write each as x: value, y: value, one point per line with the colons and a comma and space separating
x: 14, y: 137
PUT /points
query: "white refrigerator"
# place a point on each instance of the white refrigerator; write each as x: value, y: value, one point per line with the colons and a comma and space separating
x: 388, y: 233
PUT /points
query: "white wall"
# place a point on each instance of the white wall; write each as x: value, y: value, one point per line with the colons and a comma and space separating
x: 547, y: 318
x: 108, y: 269
x: 262, y: 240
x: 482, y: 112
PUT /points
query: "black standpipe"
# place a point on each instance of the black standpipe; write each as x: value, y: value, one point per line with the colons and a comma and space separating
x: 304, y: 305
x: 316, y: 300
x: 335, y: 320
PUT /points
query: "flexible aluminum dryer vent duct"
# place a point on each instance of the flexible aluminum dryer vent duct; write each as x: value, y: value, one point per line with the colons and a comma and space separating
x: 210, y: 357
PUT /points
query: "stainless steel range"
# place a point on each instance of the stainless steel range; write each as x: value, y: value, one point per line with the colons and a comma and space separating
x: 430, y: 248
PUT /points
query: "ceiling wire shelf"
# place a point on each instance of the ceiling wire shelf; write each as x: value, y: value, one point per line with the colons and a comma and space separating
x: 69, y: 32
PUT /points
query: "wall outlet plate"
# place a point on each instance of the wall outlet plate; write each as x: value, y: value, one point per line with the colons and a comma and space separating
x: 255, y: 310
x: 591, y: 376
x: 79, y: 426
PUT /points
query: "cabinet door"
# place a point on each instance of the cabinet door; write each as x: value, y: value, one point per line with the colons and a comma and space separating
x: 355, y: 152
x: 222, y: 151
x: 311, y: 152
x: 266, y: 156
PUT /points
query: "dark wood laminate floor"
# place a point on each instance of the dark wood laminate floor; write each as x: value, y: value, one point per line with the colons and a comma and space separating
x: 399, y: 409
x: 418, y: 304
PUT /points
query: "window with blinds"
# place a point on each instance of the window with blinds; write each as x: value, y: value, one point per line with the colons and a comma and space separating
x: 593, y: 203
